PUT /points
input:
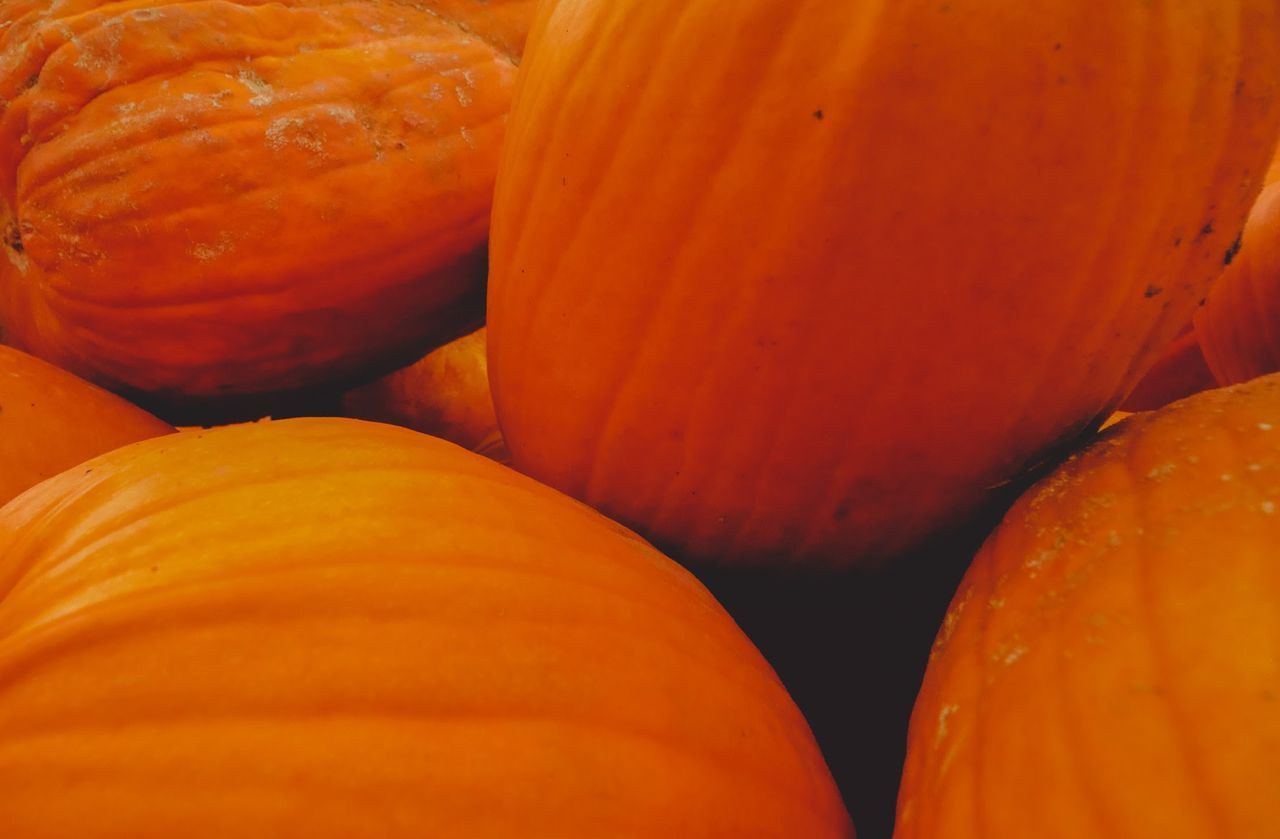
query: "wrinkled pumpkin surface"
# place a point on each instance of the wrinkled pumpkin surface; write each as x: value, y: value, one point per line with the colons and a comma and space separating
x: 213, y: 198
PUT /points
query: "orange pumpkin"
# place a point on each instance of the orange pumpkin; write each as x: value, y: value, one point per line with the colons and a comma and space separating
x: 1111, y: 664
x: 203, y: 199
x: 1179, y: 372
x: 1239, y: 326
x: 330, y: 628
x: 779, y: 281
x: 50, y: 421
x: 444, y: 394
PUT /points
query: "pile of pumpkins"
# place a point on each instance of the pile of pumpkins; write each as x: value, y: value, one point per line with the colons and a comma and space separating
x: 770, y: 284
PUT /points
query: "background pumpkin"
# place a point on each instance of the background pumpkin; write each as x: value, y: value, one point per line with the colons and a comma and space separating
x: 444, y: 394
x: 203, y: 199
x: 780, y: 282
x: 1111, y: 664
x: 50, y: 421
x: 1239, y: 325
x: 1179, y: 372
x: 327, y: 628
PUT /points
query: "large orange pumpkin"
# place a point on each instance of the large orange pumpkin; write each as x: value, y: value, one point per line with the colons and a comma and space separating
x: 50, y: 421
x: 330, y: 628
x: 1111, y: 664
x: 1239, y: 326
x: 199, y: 199
x: 445, y: 394
x: 802, y: 281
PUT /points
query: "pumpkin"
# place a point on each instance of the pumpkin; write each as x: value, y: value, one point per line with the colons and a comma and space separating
x: 1179, y: 372
x: 1239, y: 325
x: 1110, y: 665
x: 209, y: 199
x: 444, y: 394
x: 331, y: 628
x: 50, y: 421
x: 800, y: 283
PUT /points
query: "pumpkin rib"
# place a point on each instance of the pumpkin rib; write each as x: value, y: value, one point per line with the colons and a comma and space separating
x: 44, y: 629
x: 1145, y: 597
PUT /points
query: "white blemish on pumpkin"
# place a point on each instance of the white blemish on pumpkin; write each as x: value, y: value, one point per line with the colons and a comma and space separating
x: 208, y: 253
x: 290, y: 129
x: 19, y: 260
x: 1264, y: 426
x: 995, y: 602
x: 1269, y: 507
x: 1007, y: 655
x: 1164, y: 470
x: 464, y: 96
x: 944, y: 716
x: 467, y: 136
x: 263, y: 93
x: 1225, y: 476
x: 342, y: 114
x: 1255, y: 467
x: 147, y: 14
x: 1113, y: 539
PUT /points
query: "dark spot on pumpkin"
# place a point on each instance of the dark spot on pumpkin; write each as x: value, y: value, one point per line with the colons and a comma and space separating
x: 564, y: 181
x: 1239, y: 86
x: 1057, y: 47
x: 1152, y: 291
x: 1233, y: 250
x: 400, y: 145
x: 818, y: 114
x: 842, y: 511
x: 1205, y: 231
x: 32, y: 81
x: 1177, y: 241
x: 1203, y: 300
x: 13, y: 238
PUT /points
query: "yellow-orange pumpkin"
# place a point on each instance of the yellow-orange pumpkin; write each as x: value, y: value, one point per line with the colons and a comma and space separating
x: 780, y: 281
x: 1239, y: 326
x: 445, y: 394
x: 50, y: 421
x: 1111, y: 664
x: 199, y: 199
x: 330, y: 628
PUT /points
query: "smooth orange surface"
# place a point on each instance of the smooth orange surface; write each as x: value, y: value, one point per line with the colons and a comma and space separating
x: 444, y: 394
x: 781, y: 281
x: 50, y: 421
x: 209, y: 198
x: 1239, y: 326
x: 338, y: 629
x: 1110, y: 666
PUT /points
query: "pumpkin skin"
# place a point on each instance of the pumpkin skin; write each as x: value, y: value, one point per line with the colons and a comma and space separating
x: 1112, y: 657
x: 50, y: 421
x: 1179, y: 372
x: 800, y: 283
x: 1239, y: 325
x: 445, y: 394
x: 210, y: 199
x: 330, y: 628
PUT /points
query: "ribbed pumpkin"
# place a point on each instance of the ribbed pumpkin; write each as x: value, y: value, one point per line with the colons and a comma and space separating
x: 199, y: 199
x: 50, y: 421
x: 330, y: 628
x: 780, y: 281
x: 444, y: 394
x: 1110, y: 666
x: 1239, y: 326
